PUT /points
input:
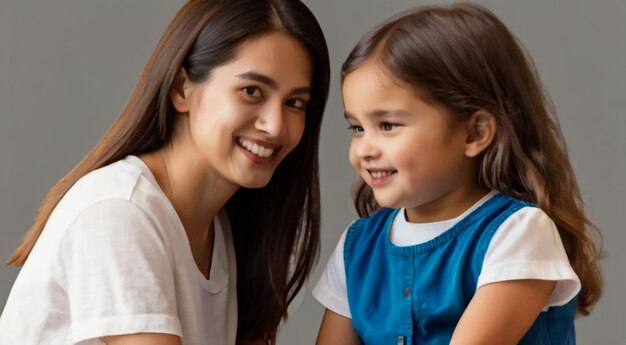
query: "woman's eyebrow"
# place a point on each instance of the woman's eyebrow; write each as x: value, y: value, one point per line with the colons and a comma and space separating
x: 301, y: 90
x: 273, y: 84
x: 261, y: 78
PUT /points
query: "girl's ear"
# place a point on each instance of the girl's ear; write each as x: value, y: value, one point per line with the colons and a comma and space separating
x: 481, y: 131
x: 180, y: 100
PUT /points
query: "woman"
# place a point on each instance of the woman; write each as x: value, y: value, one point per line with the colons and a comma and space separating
x: 215, y: 155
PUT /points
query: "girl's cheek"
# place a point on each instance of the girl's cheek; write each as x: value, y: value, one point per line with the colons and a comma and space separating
x: 354, y: 161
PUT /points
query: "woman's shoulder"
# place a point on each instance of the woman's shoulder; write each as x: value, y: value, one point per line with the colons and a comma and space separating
x: 123, y: 183
x: 107, y: 212
x: 117, y: 180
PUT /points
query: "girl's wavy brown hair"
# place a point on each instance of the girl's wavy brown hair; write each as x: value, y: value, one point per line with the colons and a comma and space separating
x: 465, y: 58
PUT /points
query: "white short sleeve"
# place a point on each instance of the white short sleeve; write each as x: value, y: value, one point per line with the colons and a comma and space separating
x: 119, y: 274
x: 527, y: 246
x: 331, y: 290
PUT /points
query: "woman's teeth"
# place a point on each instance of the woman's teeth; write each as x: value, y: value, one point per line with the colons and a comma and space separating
x: 255, y: 148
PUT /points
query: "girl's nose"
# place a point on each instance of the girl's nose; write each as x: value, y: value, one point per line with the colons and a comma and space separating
x: 366, y: 148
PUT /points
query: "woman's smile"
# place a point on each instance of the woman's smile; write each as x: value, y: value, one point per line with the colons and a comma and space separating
x: 258, y: 151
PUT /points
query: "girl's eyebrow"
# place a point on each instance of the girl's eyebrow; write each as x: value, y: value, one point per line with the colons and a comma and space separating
x: 380, y: 113
x: 348, y: 115
x: 273, y: 84
x: 387, y: 112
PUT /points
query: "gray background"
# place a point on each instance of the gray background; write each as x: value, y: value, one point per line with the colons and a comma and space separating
x: 68, y: 66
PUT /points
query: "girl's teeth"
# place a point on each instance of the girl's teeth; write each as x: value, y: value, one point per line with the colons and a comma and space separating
x: 256, y: 148
x: 380, y: 174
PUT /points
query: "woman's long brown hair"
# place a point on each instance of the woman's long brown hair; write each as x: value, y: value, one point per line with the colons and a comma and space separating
x: 465, y: 58
x: 275, y: 228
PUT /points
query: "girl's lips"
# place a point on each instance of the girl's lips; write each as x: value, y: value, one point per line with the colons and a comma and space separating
x: 379, y: 177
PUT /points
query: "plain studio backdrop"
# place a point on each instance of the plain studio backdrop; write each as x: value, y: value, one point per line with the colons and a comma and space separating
x: 68, y: 66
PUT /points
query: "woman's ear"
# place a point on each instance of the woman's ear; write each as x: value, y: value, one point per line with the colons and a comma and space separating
x: 481, y: 131
x: 178, y: 96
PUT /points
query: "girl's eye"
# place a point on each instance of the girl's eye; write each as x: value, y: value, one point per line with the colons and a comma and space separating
x: 355, y: 129
x: 252, y: 91
x: 296, y: 103
x: 386, y: 126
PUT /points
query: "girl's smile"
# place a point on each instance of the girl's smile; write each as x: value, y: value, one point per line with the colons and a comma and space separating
x: 404, y: 147
x: 379, y: 177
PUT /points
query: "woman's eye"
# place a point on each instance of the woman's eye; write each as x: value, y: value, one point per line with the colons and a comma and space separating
x: 296, y: 103
x: 252, y: 91
x: 385, y: 126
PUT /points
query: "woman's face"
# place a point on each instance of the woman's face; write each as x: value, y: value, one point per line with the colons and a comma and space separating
x: 249, y: 114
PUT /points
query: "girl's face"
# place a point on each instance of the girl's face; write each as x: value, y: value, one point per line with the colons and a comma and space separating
x: 404, y: 147
x: 250, y: 112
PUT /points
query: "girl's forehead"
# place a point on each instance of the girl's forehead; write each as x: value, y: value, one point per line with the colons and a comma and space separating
x: 370, y: 90
x: 374, y: 74
x: 374, y: 71
x: 373, y: 83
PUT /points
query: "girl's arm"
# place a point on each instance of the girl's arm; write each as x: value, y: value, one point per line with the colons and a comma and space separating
x: 337, y: 330
x: 143, y: 339
x: 502, y: 312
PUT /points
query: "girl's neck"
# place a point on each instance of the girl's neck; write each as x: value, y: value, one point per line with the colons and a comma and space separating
x: 448, y: 206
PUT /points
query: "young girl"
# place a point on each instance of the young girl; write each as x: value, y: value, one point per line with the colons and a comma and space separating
x: 213, y: 159
x: 475, y: 231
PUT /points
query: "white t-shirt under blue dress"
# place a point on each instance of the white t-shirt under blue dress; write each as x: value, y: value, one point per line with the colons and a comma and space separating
x: 114, y: 259
x: 527, y: 236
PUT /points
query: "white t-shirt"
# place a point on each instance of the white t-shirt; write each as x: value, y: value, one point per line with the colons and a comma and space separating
x: 114, y: 259
x: 526, y: 246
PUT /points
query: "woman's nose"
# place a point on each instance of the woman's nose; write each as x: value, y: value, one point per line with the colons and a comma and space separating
x: 270, y: 119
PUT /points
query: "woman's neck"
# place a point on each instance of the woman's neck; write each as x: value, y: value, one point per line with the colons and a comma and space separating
x: 196, y: 190
x: 197, y: 194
